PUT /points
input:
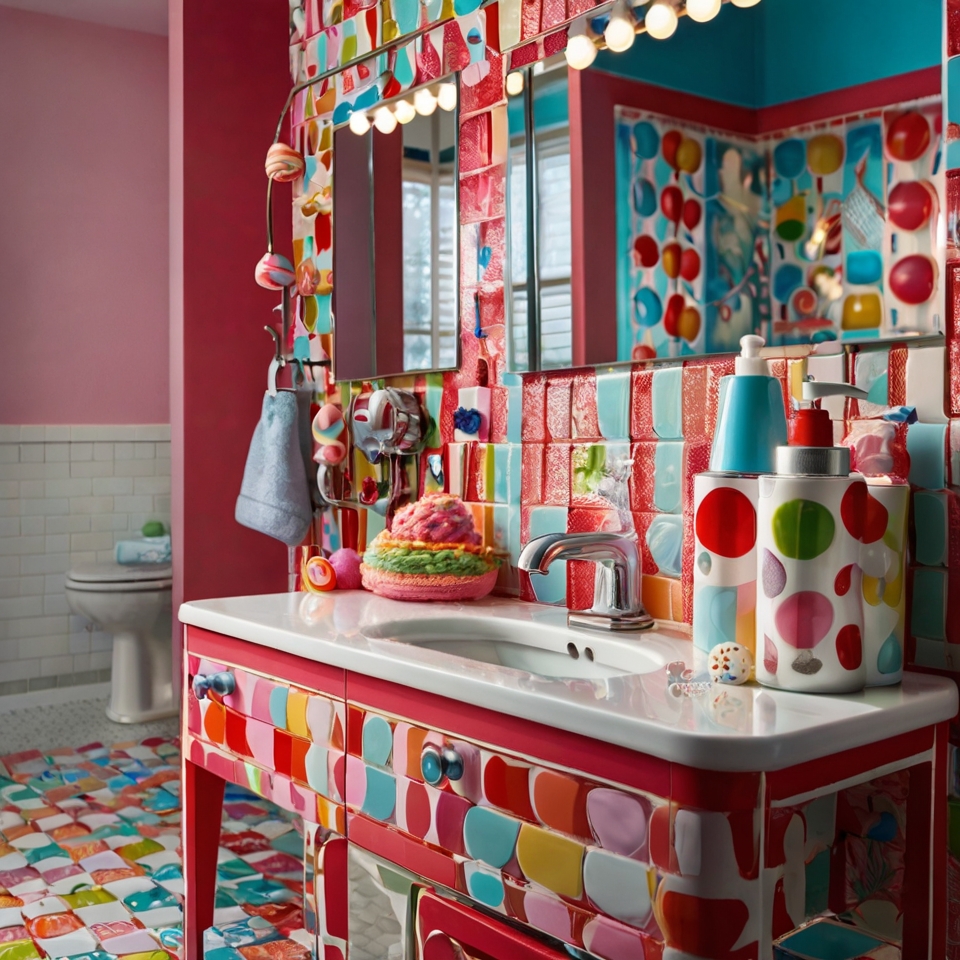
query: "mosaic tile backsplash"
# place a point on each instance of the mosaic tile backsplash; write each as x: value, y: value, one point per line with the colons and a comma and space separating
x: 613, y: 449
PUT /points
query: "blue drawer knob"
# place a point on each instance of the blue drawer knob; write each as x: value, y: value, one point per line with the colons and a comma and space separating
x: 222, y: 684
x: 439, y: 762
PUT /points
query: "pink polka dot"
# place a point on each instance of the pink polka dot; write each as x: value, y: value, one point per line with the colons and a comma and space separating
x: 804, y: 619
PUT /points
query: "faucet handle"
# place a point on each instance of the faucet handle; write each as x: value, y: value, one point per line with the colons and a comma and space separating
x: 617, y: 603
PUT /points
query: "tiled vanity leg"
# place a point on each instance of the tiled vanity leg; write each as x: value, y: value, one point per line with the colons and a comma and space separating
x: 202, y: 806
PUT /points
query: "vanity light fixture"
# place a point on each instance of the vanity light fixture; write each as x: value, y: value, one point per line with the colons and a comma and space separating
x: 404, y: 111
x: 744, y: 3
x: 661, y: 20
x: 620, y: 31
x: 581, y: 50
x: 702, y: 10
x: 515, y: 83
x: 359, y: 123
x: 447, y: 96
x: 424, y: 102
x: 385, y: 120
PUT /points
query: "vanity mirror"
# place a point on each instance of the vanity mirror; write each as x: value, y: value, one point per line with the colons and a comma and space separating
x: 396, y: 237
x: 761, y: 172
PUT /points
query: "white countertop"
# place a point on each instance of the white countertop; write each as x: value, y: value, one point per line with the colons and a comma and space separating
x: 728, y: 728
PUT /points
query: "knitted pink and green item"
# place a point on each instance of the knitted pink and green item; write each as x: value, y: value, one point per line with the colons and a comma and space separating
x: 433, y: 552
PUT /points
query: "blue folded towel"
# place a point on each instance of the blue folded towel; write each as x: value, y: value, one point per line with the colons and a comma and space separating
x: 274, y: 498
x: 146, y: 550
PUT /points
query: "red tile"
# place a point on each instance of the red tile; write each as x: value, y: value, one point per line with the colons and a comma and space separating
x: 531, y: 482
x: 583, y: 411
x: 533, y: 423
x: 641, y: 404
x: 558, y: 407
x: 556, y: 474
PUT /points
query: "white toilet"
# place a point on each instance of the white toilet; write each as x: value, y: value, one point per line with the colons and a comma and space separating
x: 134, y: 604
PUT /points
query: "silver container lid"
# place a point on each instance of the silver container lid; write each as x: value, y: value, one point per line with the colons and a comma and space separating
x: 813, y: 461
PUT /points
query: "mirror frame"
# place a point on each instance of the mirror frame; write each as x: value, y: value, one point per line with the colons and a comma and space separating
x: 335, y: 127
x: 580, y: 213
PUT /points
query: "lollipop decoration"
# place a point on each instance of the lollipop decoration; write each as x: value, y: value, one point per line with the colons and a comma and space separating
x: 908, y: 137
x: 328, y: 431
x: 317, y: 575
x: 824, y: 156
x: 283, y: 163
x: 275, y: 272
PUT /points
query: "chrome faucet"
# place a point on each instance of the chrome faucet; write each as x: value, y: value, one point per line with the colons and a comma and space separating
x: 616, y: 591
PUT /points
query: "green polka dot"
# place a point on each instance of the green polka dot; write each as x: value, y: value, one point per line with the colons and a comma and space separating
x: 802, y: 529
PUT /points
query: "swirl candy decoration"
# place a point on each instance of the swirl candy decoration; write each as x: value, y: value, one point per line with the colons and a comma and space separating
x: 274, y: 272
x: 283, y: 163
x: 317, y: 575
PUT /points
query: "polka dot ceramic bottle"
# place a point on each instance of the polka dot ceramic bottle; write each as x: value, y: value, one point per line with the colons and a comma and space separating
x: 809, y: 592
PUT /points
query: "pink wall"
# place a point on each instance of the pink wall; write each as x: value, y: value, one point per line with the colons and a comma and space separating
x: 83, y: 227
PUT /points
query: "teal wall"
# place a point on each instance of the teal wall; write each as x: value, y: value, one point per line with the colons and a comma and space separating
x: 782, y: 50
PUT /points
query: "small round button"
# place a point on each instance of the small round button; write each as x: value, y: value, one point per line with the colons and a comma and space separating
x: 431, y: 765
x: 452, y: 763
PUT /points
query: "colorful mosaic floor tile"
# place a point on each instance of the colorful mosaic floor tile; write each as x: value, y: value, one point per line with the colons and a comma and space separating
x: 90, y: 863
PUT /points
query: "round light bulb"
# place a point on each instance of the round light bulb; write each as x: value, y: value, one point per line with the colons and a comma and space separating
x: 384, y: 120
x: 404, y: 111
x: 744, y: 3
x: 581, y: 50
x: 424, y: 102
x: 702, y: 10
x: 359, y: 124
x: 514, y: 83
x: 447, y: 96
x: 619, y: 33
x: 661, y: 21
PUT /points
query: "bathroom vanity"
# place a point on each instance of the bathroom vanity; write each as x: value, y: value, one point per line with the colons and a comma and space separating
x: 484, y: 777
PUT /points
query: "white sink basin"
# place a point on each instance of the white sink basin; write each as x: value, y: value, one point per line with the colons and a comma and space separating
x: 547, y: 651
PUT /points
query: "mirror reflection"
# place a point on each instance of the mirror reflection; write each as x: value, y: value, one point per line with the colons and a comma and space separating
x: 742, y: 175
x: 395, y: 197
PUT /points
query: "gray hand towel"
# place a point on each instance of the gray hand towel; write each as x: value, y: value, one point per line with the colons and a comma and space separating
x: 273, y: 496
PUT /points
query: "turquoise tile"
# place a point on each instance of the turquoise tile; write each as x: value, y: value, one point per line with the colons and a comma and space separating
x: 377, y: 740
x: 613, y: 404
x: 668, y: 403
x: 278, y: 706
x: 714, y: 617
x: 665, y: 542
x: 930, y: 520
x: 487, y: 887
x: 668, y: 476
x: 380, y: 800
x: 927, y: 447
x: 490, y: 836
x: 507, y: 462
x: 953, y: 90
x: 514, y: 386
x: 550, y: 587
x: 928, y: 613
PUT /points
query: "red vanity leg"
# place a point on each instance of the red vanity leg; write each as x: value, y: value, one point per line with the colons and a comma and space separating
x: 925, y: 874
x: 202, y: 809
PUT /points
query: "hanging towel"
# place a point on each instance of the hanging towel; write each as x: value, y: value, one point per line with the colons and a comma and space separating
x: 273, y: 496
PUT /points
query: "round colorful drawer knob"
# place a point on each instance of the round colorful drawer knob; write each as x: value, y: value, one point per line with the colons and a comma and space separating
x: 439, y: 762
x: 283, y: 163
x: 222, y: 684
x: 730, y: 663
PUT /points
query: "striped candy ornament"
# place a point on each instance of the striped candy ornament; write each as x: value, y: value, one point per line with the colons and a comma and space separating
x: 283, y: 163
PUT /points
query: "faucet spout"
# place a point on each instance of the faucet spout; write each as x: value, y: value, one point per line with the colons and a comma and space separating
x: 617, y: 603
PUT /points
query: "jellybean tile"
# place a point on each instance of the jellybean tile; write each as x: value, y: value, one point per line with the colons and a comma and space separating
x: 618, y: 886
x: 490, y: 836
x: 926, y: 445
x: 551, y: 860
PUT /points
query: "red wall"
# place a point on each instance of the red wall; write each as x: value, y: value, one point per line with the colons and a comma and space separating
x: 228, y: 82
x: 83, y: 227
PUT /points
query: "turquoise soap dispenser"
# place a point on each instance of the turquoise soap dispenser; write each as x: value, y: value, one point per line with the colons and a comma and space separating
x: 751, y: 421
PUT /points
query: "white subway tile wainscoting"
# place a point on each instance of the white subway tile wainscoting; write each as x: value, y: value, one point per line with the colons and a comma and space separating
x: 67, y: 495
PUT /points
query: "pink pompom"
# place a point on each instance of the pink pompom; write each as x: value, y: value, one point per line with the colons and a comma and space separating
x: 347, y: 564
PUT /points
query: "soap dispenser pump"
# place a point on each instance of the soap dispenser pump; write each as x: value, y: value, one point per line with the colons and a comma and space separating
x: 752, y: 421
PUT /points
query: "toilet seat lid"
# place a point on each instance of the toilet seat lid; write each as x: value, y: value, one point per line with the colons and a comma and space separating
x: 120, y: 573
